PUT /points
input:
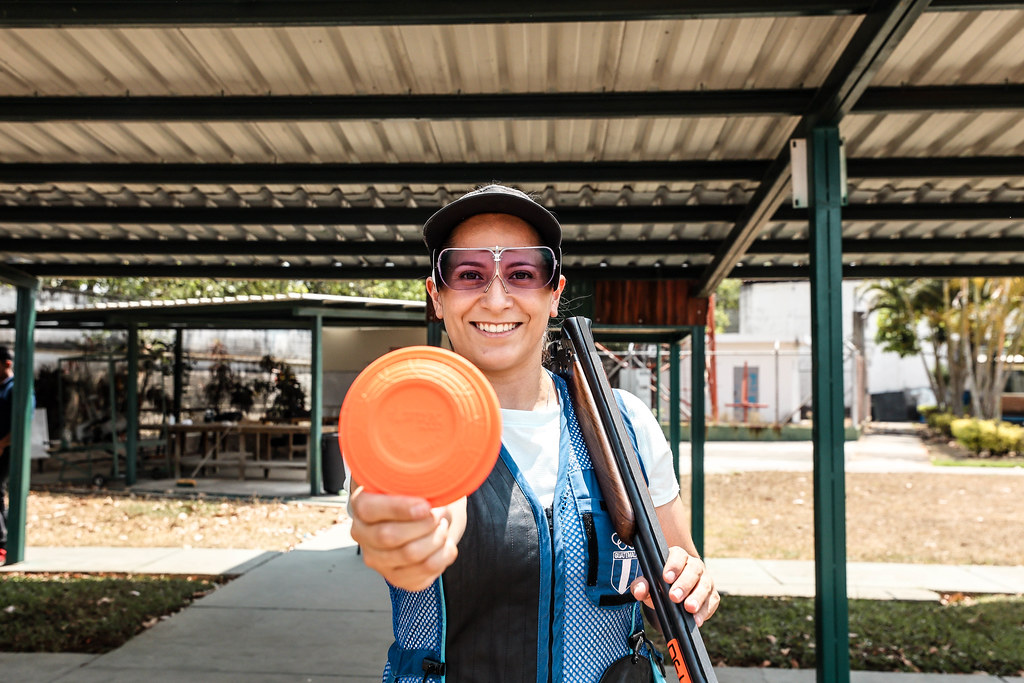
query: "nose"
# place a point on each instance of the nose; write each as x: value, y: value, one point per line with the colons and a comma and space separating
x: 496, y: 276
x: 496, y: 297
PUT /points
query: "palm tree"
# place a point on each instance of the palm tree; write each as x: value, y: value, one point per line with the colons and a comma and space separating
x: 971, y: 325
x: 903, y: 305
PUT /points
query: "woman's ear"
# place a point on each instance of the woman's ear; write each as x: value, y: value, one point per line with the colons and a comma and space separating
x: 556, y: 297
x: 434, y: 298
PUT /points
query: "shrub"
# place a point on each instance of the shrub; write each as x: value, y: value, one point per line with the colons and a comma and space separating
x: 998, y: 438
x: 940, y: 422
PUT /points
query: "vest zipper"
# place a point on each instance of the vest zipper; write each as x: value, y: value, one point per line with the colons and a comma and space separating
x: 550, y: 514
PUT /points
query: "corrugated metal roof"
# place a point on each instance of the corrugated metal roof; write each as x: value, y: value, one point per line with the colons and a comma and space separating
x: 395, y: 141
x: 547, y: 57
x: 762, y: 54
x: 957, y: 48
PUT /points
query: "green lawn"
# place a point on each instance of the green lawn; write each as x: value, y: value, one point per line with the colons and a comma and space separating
x: 66, y: 613
x: 979, y: 462
x: 97, y: 614
x: 974, y: 634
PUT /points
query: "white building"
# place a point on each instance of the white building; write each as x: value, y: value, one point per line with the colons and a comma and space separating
x: 775, y: 332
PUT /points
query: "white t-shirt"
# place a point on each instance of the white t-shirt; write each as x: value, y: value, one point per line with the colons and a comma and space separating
x: 531, y: 438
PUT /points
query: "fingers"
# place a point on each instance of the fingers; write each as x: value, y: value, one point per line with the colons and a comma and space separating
x: 688, y: 583
x: 415, y: 566
x: 402, y: 538
x: 642, y: 591
x: 378, y: 507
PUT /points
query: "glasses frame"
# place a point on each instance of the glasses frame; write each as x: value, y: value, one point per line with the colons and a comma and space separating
x: 496, y: 252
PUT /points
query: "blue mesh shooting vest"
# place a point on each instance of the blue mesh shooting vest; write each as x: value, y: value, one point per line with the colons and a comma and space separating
x: 541, y: 596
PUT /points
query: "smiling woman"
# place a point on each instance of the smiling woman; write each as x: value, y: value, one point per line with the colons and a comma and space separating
x: 506, y: 584
x: 499, y: 328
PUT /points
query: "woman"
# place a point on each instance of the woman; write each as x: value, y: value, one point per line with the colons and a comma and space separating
x: 524, y: 580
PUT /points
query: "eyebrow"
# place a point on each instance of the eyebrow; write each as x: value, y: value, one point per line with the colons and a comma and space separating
x: 463, y: 258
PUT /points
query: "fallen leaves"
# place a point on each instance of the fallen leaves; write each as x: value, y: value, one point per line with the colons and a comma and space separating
x: 63, y: 520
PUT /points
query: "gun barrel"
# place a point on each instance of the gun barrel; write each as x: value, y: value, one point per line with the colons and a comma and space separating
x: 692, y: 663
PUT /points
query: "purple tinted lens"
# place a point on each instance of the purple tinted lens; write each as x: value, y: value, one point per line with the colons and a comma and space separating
x: 520, y: 267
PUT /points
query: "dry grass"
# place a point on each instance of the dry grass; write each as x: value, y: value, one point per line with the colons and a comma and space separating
x: 65, y: 520
x: 917, y: 518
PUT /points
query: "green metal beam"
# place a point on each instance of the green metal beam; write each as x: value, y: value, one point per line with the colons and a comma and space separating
x: 316, y: 406
x: 58, y: 319
x: 179, y: 372
x: 21, y: 423
x: 831, y: 610
x: 236, y: 13
x: 131, y: 409
x: 17, y: 277
x: 36, y: 109
x: 904, y: 265
x: 674, y: 427
x: 657, y: 383
x: 697, y: 437
x: 471, y: 173
x: 39, y: 247
x: 434, y: 330
x: 335, y: 216
x: 131, y: 13
x: 530, y: 105
x: 415, y: 315
x: 115, y: 468
x: 394, y: 173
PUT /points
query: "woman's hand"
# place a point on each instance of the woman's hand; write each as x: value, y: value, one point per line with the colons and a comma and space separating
x: 403, y: 539
x: 688, y: 578
x: 689, y: 583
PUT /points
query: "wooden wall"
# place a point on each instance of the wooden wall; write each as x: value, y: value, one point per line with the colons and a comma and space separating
x: 648, y: 302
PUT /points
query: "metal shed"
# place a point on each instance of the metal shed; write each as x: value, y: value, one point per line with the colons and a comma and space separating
x: 311, y: 139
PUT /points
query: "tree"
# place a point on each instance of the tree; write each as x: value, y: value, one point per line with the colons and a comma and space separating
x: 990, y: 313
x: 156, y: 288
x: 727, y: 304
x: 903, y: 306
x: 970, y: 325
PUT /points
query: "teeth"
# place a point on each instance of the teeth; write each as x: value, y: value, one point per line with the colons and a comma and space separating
x: 496, y: 328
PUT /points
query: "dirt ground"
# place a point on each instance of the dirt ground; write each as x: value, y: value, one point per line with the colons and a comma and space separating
x: 918, y: 518
x: 943, y: 517
x: 97, y: 519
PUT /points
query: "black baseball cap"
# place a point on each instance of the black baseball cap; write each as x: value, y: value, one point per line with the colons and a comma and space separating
x: 493, y: 199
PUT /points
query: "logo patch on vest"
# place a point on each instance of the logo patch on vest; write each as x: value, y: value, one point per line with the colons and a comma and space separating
x: 625, y: 567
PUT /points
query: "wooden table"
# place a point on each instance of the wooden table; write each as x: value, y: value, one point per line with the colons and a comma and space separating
x: 236, y: 444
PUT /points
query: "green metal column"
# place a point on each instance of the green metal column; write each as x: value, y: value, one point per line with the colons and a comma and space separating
x: 657, y: 381
x: 179, y: 370
x: 434, y: 330
x: 21, y: 422
x: 316, y: 407
x: 115, y: 468
x: 674, y: 431
x: 831, y: 608
x: 697, y: 437
x: 131, y: 410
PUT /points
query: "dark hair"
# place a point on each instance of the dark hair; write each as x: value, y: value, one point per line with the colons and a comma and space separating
x: 5, y: 354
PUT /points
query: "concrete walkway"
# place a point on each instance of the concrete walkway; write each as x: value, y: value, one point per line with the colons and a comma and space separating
x: 896, y: 449
x: 318, y: 614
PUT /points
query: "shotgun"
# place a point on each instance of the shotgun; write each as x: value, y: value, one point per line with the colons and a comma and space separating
x: 629, y: 502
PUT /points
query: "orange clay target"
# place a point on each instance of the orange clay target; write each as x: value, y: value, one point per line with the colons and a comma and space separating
x: 421, y: 421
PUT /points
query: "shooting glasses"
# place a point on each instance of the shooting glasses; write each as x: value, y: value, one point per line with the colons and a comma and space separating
x: 516, y: 267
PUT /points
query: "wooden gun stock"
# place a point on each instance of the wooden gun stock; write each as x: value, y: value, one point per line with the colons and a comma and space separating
x: 629, y: 502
